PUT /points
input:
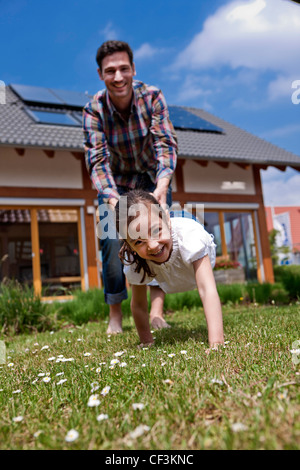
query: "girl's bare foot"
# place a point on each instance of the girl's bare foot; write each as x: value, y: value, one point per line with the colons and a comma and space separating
x: 115, y: 320
x: 158, y: 323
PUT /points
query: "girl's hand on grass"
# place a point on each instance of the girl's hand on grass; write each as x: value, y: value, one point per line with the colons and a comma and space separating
x: 213, y: 346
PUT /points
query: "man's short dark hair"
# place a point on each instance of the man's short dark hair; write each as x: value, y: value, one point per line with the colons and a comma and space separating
x: 110, y: 47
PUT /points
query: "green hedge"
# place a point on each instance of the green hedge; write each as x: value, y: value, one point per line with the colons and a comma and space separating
x: 21, y: 311
x: 289, y: 277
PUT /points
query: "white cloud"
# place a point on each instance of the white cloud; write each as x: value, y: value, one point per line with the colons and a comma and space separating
x: 257, y: 34
x: 281, y: 188
x: 109, y: 32
x: 146, y: 51
x: 284, y: 131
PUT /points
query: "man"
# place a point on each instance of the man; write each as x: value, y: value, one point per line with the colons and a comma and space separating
x: 129, y: 143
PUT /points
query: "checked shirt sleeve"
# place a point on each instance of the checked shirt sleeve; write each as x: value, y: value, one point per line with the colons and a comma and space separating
x: 164, y: 138
x: 97, y: 153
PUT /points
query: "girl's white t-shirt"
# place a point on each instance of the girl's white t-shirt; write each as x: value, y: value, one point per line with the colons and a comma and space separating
x: 190, y: 243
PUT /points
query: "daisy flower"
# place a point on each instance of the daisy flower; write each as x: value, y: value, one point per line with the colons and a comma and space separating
x: 171, y: 355
x: 87, y: 354
x: 18, y: 419
x: 101, y: 417
x: 105, y: 390
x: 138, y: 406
x: 72, y: 435
x: 114, y: 361
x: 44, y: 347
x: 123, y: 364
x: 93, y: 401
x: 98, y: 369
x: 61, y: 381
x: 168, y: 381
x: 236, y: 427
x: 119, y: 353
x: 11, y: 364
x: 46, y: 379
x: 139, y: 431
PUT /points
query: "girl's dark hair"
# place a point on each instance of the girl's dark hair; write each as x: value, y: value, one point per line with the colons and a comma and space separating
x: 126, y: 254
x: 110, y: 47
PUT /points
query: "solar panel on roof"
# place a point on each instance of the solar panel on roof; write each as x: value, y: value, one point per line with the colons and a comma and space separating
x: 72, y: 98
x: 183, y: 119
x: 51, y: 96
x: 36, y: 94
x: 53, y: 118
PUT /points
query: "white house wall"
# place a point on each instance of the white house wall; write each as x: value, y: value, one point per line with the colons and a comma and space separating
x: 215, y: 179
x: 35, y: 169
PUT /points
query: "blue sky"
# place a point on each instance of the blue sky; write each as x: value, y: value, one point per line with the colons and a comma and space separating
x: 236, y: 59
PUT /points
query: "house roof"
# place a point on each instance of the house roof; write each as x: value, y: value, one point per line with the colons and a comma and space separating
x: 19, y: 129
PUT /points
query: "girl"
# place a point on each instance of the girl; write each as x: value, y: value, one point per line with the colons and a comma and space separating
x: 175, y: 251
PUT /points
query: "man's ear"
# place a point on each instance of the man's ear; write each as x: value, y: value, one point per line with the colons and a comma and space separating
x: 133, y: 68
x: 100, y: 74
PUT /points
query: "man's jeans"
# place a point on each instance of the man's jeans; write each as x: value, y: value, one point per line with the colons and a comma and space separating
x: 112, y: 269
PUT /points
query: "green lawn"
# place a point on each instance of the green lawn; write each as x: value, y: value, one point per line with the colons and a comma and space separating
x: 175, y: 396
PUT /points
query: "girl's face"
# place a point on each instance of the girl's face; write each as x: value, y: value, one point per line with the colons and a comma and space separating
x: 150, y: 237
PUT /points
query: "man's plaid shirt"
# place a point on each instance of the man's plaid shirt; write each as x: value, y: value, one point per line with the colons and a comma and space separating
x: 116, y: 151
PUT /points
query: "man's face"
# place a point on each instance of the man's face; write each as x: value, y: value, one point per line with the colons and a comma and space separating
x: 117, y: 74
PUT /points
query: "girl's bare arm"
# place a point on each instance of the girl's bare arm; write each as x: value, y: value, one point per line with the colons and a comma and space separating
x: 210, y: 298
x: 139, y: 308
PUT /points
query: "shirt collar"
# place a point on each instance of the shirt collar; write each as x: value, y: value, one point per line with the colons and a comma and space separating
x: 112, y: 108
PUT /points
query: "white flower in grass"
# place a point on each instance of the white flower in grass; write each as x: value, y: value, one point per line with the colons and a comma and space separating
x: 119, y: 353
x: 93, y: 401
x: 139, y: 431
x: 45, y: 347
x: 171, y: 355
x: 114, y: 361
x: 101, y: 417
x: 98, y: 370
x: 237, y: 427
x: 10, y: 364
x: 168, y: 381
x: 17, y: 391
x: 41, y: 374
x: 72, y: 435
x: 283, y: 395
x: 51, y: 359
x: 18, y: 419
x: 105, y: 390
x: 61, y: 381
x: 123, y: 364
x: 60, y: 373
x: 183, y: 352
x: 87, y: 354
x: 216, y: 381
x: 94, y: 386
x: 138, y: 406
x: 37, y: 433
x: 46, y: 379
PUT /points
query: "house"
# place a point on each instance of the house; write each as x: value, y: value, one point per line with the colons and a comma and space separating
x: 48, y: 205
x: 286, y: 219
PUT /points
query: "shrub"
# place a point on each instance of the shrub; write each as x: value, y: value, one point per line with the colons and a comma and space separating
x: 86, y: 306
x: 21, y: 310
x: 289, y: 276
